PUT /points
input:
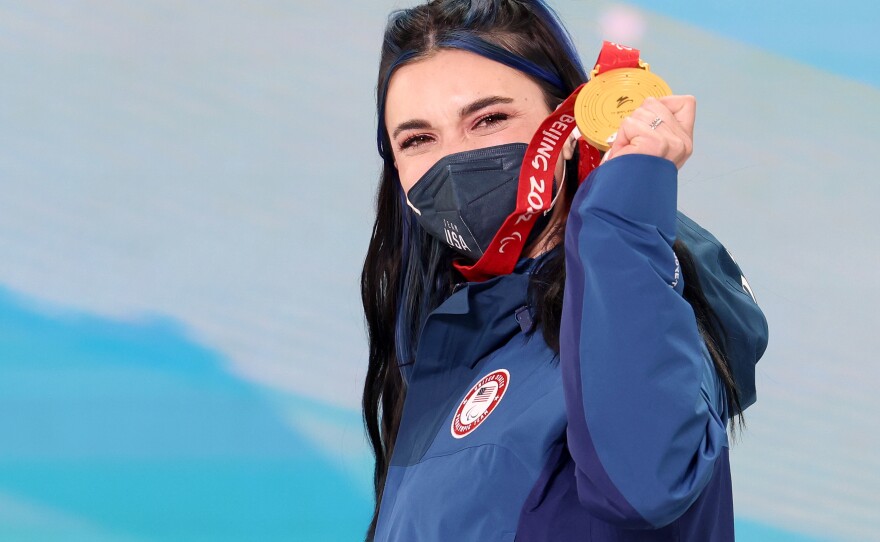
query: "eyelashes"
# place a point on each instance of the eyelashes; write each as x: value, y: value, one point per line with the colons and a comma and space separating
x: 414, y: 141
x: 492, y: 120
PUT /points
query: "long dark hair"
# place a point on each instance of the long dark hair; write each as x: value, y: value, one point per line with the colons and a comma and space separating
x: 407, y: 273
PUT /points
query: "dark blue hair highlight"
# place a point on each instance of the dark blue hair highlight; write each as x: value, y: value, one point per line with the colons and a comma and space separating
x: 560, y: 33
x: 403, y: 337
x: 475, y: 44
x: 422, y: 275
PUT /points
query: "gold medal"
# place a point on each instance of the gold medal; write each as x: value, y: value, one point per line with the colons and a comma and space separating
x: 612, y: 96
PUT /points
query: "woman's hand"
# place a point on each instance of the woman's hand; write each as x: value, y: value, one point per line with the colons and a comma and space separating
x: 672, y: 137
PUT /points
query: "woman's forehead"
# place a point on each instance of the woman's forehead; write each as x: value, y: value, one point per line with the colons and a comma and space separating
x: 448, y: 80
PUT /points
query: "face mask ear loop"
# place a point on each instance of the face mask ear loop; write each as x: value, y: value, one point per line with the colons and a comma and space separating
x: 411, y: 206
x: 558, y: 189
x: 406, y: 195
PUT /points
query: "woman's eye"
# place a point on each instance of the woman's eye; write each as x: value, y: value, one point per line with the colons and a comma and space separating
x: 414, y: 141
x: 491, y: 120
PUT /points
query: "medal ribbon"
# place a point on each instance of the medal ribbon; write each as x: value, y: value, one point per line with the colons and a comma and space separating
x: 534, y: 194
x: 613, y: 56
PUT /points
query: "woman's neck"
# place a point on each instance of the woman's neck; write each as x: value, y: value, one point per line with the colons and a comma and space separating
x: 552, y: 234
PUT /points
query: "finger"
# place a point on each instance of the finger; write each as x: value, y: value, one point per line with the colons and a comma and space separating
x: 668, y: 138
x: 684, y: 109
x: 678, y: 143
x: 647, y: 112
x: 618, y: 140
x: 639, y: 138
x: 653, y: 109
x: 665, y: 124
x: 681, y: 144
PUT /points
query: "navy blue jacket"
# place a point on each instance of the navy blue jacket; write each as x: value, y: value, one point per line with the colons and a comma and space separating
x: 622, y: 436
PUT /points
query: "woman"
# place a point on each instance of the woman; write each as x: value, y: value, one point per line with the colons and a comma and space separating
x: 586, y: 394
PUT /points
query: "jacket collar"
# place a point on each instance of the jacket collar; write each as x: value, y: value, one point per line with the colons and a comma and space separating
x: 476, y: 319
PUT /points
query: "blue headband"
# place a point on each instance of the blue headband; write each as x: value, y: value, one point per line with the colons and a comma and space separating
x: 473, y: 43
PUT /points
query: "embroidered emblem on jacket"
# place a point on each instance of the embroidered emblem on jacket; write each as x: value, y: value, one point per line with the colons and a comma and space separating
x: 479, y: 402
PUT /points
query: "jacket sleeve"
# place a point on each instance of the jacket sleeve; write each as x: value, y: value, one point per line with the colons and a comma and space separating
x: 646, y: 409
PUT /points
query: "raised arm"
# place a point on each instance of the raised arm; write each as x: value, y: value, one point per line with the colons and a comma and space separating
x: 646, y: 409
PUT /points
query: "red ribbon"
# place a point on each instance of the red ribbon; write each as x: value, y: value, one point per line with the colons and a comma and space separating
x: 613, y: 56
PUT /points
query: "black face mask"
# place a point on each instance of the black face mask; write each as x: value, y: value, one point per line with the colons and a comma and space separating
x: 465, y: 197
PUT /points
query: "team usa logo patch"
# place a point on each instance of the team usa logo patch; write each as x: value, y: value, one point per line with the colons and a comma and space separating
x: 479, y: 402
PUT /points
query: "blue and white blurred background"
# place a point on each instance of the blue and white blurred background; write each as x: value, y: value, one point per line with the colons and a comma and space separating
x: 185, y: 200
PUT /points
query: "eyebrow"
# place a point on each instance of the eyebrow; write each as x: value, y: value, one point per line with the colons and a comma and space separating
x: 471, y: 108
